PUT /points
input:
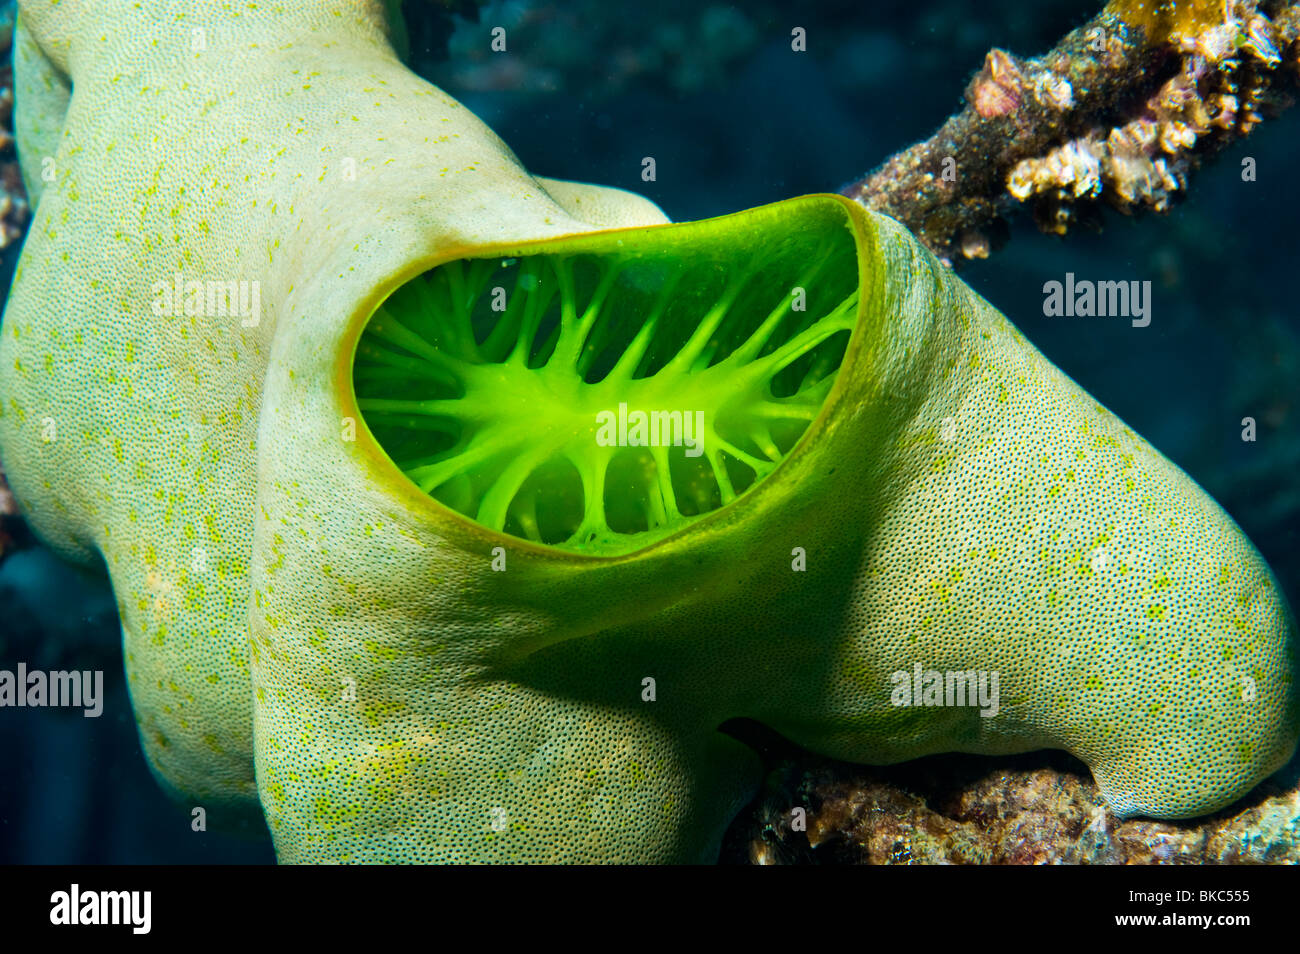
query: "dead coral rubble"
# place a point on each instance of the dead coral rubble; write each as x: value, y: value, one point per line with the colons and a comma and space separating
x: 13, y: 199
x: 13, y: 221
x: 14, y: 534
x: 1037, y: 809
x: 1120, y: 112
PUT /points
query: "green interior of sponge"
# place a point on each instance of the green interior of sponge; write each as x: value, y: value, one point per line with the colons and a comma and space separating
x: 595, y: 400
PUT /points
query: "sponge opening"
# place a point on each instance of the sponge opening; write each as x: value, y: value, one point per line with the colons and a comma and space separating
x: 597, y: 399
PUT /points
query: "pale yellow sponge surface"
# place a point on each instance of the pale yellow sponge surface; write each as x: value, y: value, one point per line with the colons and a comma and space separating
x: 413, y: 686
x: 1019, y: 527
x: 282, y: 144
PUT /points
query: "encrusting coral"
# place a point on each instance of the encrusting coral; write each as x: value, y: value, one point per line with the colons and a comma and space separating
x: 13, y: 220
x: 1040, y: 809
x: 1184, y: 77
x: 388, y: 608
x: 13, y: 200
x: 13, y: 532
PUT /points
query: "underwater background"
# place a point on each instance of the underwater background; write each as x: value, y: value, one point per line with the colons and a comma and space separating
x: 733, y: 120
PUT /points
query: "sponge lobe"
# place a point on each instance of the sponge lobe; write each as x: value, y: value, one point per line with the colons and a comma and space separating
x: 1023, y: 529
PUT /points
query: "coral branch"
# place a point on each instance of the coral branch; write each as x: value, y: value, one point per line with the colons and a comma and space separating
x: 14, y: 211
x: 1120, y: 111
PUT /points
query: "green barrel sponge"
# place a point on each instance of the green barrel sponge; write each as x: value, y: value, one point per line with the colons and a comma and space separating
x: 480, y: 503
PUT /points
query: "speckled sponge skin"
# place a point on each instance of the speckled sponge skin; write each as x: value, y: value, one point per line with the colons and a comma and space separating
x: 294, y: 150
x: 962, y: 504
